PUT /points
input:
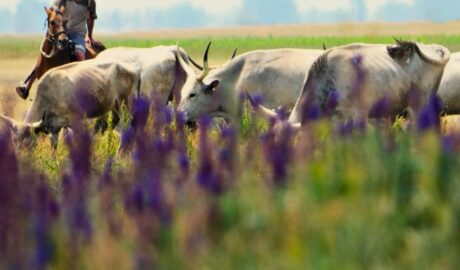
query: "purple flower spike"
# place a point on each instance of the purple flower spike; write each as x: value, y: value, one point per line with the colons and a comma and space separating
x: 332, y: 102
x: 278, y: 152
x: 282, y: 113
x: 141, y: 113
x: 381, y: 109
x: 429, y: 116
x: 255, y: 100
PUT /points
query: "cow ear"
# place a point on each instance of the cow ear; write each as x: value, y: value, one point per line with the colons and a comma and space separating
x: 212, y: 87
x: 436, y: 54
x: 62, y: 9
x: 48, y: 11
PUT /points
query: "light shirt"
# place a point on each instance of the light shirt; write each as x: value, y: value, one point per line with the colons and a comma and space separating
x: 77, y: 12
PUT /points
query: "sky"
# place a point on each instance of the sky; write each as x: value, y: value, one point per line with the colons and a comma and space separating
x: 160, y: 14
x: 215, y: 6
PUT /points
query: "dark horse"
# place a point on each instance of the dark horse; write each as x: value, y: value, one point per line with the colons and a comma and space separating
x: 56, y: 50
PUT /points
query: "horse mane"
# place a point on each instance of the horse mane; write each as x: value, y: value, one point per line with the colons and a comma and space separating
x: 402, y: 49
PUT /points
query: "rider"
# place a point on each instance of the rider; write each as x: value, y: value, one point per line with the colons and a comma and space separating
x: 80, y: 16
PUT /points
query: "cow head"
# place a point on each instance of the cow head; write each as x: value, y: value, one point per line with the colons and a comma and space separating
x: 200, y: 93
x: 23, y: 133
x: 425, y: 63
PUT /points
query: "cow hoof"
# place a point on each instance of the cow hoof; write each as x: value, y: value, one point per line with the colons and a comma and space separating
x: 22, y: 91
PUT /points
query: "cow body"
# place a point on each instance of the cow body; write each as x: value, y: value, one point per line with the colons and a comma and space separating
x: 88, y: 89
x: 162, y: 76
x: 360, y: 75
x: 449, y: 89
x: 276, y: 75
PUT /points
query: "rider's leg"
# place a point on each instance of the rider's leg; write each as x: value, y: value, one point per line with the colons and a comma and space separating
x: 23, y: 89
x: 79, y: 55
x: 80, y: 45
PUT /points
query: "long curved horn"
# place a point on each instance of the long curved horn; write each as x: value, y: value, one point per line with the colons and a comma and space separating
x: 51, y: 54
x: 260, y: 109
x: 13, y: 124
x: 234, y: 54
x: 205, y: 64
x: 195, y: 63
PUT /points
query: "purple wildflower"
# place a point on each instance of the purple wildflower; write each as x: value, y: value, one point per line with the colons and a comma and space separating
x: 277, y: 144
x: 254, y: 100
x: 141, y: 113
x: 350, y: 126
x: 311, y: 110
x: 206, y: 175
x: 381, y: 109
x: 332, y: 102
x: 429, y: 116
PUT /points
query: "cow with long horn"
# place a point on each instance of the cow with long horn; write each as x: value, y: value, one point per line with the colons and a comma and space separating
x: 279, y: 74
x: 355, y: 78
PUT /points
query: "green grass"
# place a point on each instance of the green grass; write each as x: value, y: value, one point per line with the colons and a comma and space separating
x: 223, y: 47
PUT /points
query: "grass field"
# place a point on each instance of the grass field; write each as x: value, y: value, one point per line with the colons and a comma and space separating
x: 334, y: 197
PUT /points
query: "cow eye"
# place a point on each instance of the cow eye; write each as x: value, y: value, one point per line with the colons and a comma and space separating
x: 192, y: 95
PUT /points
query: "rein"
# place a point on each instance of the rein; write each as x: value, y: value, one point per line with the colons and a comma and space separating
x: 52, y: 38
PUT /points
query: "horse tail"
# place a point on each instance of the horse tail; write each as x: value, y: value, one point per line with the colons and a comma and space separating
x: 98, y: 46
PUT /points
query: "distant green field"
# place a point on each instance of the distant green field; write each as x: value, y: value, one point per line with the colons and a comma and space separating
x: 27, y: 46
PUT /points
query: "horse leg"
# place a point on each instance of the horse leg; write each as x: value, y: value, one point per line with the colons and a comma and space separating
x: 23, y: 89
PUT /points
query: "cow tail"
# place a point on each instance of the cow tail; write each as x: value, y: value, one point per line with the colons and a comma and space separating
x: 139, y: 82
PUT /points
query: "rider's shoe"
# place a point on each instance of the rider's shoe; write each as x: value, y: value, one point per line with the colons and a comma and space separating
x: 22, y: 91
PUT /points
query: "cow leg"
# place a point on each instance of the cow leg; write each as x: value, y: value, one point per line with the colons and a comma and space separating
x: 23, y: 90
x: 101, y: 125
x: 54, y: 137
x: 115, y: 118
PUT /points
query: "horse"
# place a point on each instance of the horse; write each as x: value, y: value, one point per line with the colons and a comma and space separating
x: 55, y: 50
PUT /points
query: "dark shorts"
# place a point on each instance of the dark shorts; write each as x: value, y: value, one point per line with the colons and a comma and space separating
x: 79, y: 41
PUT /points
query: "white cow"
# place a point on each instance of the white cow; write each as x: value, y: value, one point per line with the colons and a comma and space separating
x: 276, y: 74
x: 449, y: 89
x: 162, y: 76
x: 358, y: 76
x: 89, y: 89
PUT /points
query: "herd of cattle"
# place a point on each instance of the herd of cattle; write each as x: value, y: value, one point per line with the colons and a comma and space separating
x: 291, y: 78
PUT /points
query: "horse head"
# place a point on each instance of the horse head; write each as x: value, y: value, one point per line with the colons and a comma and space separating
x: 57, y: 32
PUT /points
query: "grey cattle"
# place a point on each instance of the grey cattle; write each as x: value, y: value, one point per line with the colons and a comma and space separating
x: 276, y: 74
x: 162, y: 76
x: 449, y: 89
x: 88, y: 89
x: 358, y: 76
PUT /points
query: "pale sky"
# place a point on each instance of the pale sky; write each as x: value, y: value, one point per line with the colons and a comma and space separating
x: 218, y: 6
x: 166, y: 14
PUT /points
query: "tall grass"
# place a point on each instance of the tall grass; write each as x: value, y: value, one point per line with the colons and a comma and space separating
x: 379, y: 198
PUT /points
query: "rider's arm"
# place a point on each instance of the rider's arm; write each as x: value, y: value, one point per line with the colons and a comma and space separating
x: 59, y: 3
x: 91, y: 18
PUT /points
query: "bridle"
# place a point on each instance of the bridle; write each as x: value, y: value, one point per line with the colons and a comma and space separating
x: 52, y: 38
